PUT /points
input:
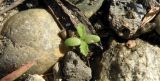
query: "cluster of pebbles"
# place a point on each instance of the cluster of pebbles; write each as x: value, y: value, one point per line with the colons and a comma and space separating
x: 32, y: 36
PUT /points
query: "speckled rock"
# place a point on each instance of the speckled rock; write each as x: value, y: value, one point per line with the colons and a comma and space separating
x: 34, y: 77
x: 74, y: 68
x: 88, y: 7
x: 140, y: 63
x: 30, y: 35
x: 125, y: 18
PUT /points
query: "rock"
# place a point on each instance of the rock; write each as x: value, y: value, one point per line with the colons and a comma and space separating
x: 30, y: 35
x: 140, y: 63
x: 74, y: 68
x: 125, y: 18
x: 34, y: 77
x: 88, y: 7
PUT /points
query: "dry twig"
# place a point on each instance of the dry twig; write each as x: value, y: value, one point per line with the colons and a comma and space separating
x: 16, y: 3
x: 154, y: 10
x: 15, y: 74
x: 150, y: 15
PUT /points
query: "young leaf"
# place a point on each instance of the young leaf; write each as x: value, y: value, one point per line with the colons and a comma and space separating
x: 84, y: 48
x: 81, y: 30
x: 91, y: 39
x: 73, y: 41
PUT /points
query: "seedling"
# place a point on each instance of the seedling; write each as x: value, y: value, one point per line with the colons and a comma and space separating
x: 83, y: 39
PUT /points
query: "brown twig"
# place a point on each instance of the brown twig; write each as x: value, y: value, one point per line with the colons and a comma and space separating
x: 16, y: 3
x: 81, y: 17
x: 74, y: 20
x: 17, y: 73
x: 75, y: 16
x: 151, y: 14
x: 54, y: 15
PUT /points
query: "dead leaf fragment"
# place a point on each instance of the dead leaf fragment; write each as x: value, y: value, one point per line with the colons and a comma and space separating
x: 150, y: 15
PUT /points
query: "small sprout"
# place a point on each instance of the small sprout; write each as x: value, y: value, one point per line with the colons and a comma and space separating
x: 81, y: 30
x: 73, y: 41
x: 83, y: 40
x: 91, y: 39
x: 84, y: 48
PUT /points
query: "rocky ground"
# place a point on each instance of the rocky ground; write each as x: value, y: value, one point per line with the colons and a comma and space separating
x: 34, y: 31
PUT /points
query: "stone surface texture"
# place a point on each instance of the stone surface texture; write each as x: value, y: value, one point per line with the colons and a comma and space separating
x: 75, y: 69
x: 140, y: 63
x: 88, y: 7
x: 30, y: 35
x: 125, y: 18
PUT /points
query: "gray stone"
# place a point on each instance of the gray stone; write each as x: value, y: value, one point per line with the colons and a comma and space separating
x: 125, y: 18
x: 30, y: 35
x: 140, y: 63
x: 34, y: 77
x: 74, y: 68
x: 88, y: 7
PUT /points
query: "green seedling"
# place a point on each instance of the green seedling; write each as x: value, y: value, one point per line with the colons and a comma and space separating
x: 83, y: 40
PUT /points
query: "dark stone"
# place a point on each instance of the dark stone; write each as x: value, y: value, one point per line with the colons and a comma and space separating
x: 125, y: 18
x: 75, y: 69
x: 88, y: 7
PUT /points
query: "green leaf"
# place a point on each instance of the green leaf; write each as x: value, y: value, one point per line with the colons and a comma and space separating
x: 73, y: 41
x: 84, y: 48
x: 81, y: 30
x: 91, y: 39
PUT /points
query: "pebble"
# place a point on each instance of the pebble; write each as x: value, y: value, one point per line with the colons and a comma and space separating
x: 34, y: 77
x: 140, y: 63
x: 74, y: 69
x: 30, y: 35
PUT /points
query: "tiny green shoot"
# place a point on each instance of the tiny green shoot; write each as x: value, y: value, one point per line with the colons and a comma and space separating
x: 83, y: 40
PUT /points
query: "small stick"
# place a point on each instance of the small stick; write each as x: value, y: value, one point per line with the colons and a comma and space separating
x: 12, y: 6
x: 1, y: 1
x: 17, y: 73
x: 54, y: 15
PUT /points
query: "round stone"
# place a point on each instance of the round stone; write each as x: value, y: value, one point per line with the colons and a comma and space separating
x: 30, y: 35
